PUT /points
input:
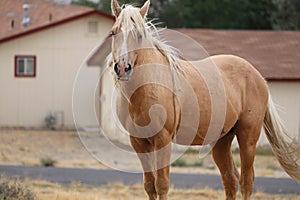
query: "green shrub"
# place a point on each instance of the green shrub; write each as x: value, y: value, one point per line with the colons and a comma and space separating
x: 179, y: 163
x: 182, y: 163
x: 14, y: 189
x: 48, y: 162
x: 264, y: 151
x: 197, y: 164
x: 50, y: 121
x: 211, y: 167
x: 260, y: 150
x: 273, y: 167
x: 191, y: 151
x: 235, y: 150
x: 237, y: 163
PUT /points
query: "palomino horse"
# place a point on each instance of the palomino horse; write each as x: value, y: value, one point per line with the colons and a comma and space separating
x: 138, y: 55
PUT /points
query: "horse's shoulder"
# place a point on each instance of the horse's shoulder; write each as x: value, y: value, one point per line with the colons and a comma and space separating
x: 229, y: 59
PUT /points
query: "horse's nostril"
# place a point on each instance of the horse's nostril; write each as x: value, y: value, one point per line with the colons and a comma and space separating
x: 117, y: 69
x: 129, y: 68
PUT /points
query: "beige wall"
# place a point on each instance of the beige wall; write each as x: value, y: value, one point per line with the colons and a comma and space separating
x: 60, y: 52
x: 287, y: 96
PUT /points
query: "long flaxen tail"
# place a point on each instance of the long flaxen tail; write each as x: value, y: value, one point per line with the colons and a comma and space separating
x: 285, y: 149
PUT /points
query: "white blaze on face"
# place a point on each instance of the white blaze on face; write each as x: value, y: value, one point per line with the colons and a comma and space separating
x: 124, y: 51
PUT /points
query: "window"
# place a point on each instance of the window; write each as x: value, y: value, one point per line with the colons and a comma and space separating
x: 93, y: 27
x: 25, y: 66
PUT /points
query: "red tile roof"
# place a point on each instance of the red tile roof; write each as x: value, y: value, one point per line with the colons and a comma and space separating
x: 43, y: 14
x: 276, y: 54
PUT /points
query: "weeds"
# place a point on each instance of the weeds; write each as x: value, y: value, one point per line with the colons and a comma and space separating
x: 191, y: 151
x: 264, y: 151
x: 237, y: 163
x: 48, y: 161
x: 273, y: 167
x: 260, y: 150
x: 179, y: 163
x: 14, y: 189
x: 197, y: 164
x: 50, y: 121
x: 182, y: 163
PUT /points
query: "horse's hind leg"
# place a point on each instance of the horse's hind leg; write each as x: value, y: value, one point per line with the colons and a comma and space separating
x: 223, y: 158
x: 247, y: 135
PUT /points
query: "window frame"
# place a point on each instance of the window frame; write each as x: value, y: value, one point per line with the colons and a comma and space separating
x: 93, y: 26
x: 17, y: 57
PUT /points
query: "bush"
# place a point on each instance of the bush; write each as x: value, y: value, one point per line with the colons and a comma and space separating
x: 260, y: 150
x: 50, y: 121
x: 191, y: 151
x: 264, y: 151
x: 182, y: 163
x: 197, y: 164
x: 14, y: 189
x: 48, y: 162
x: 273, y: 167
x: 179, y: 163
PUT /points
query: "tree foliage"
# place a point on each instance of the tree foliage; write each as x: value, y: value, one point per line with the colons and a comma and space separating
x: 218, y: 14
x: 286, y: 15
x: 222, y: 14
x: 86, y: 3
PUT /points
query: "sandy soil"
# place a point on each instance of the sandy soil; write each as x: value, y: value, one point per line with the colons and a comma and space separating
x: 28, y: 147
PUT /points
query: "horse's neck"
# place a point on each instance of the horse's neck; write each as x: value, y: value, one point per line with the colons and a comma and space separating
x: 150, y: 64
x: 150, y: 56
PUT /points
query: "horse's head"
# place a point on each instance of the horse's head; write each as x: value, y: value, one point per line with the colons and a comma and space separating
x: 128, y: 34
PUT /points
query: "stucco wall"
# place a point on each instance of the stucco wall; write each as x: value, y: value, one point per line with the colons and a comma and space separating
x: 60, y: 52
x: 287, y: 96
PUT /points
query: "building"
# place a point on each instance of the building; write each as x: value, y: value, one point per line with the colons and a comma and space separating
x: 42, y: 46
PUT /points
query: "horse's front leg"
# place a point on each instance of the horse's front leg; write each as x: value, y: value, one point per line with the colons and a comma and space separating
x: 149, y: 185
x: 146, y: 154
x: 162, y: 183
x: 163, y: 144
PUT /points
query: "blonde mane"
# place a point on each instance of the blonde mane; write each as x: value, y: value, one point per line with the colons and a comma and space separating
x: 130, y: 19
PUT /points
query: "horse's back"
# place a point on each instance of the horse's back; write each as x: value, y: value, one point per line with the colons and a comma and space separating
x: 240, y: 77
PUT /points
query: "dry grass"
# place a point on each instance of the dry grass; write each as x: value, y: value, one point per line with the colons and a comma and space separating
x: 14, y: 189
x: 29, y: 147
x: 49, y: 191
x: 265, y: 166
x: 67, y: 150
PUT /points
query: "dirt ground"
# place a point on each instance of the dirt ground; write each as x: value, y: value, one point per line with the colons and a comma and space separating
x: 50, y: 191
x: 29, y: 147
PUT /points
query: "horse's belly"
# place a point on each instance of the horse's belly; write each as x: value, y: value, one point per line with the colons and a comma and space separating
x: 199, y: 139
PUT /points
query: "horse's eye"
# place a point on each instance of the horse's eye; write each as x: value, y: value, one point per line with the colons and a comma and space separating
x: 112, y: 33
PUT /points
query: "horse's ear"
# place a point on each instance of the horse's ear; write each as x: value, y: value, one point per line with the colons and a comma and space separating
x: 145, y: 8
x: 115, y: 8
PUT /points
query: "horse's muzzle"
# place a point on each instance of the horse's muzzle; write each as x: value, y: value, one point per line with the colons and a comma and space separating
x: 123, y: 71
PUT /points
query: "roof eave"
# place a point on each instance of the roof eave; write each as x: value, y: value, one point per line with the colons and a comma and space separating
x: 283, y: 79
